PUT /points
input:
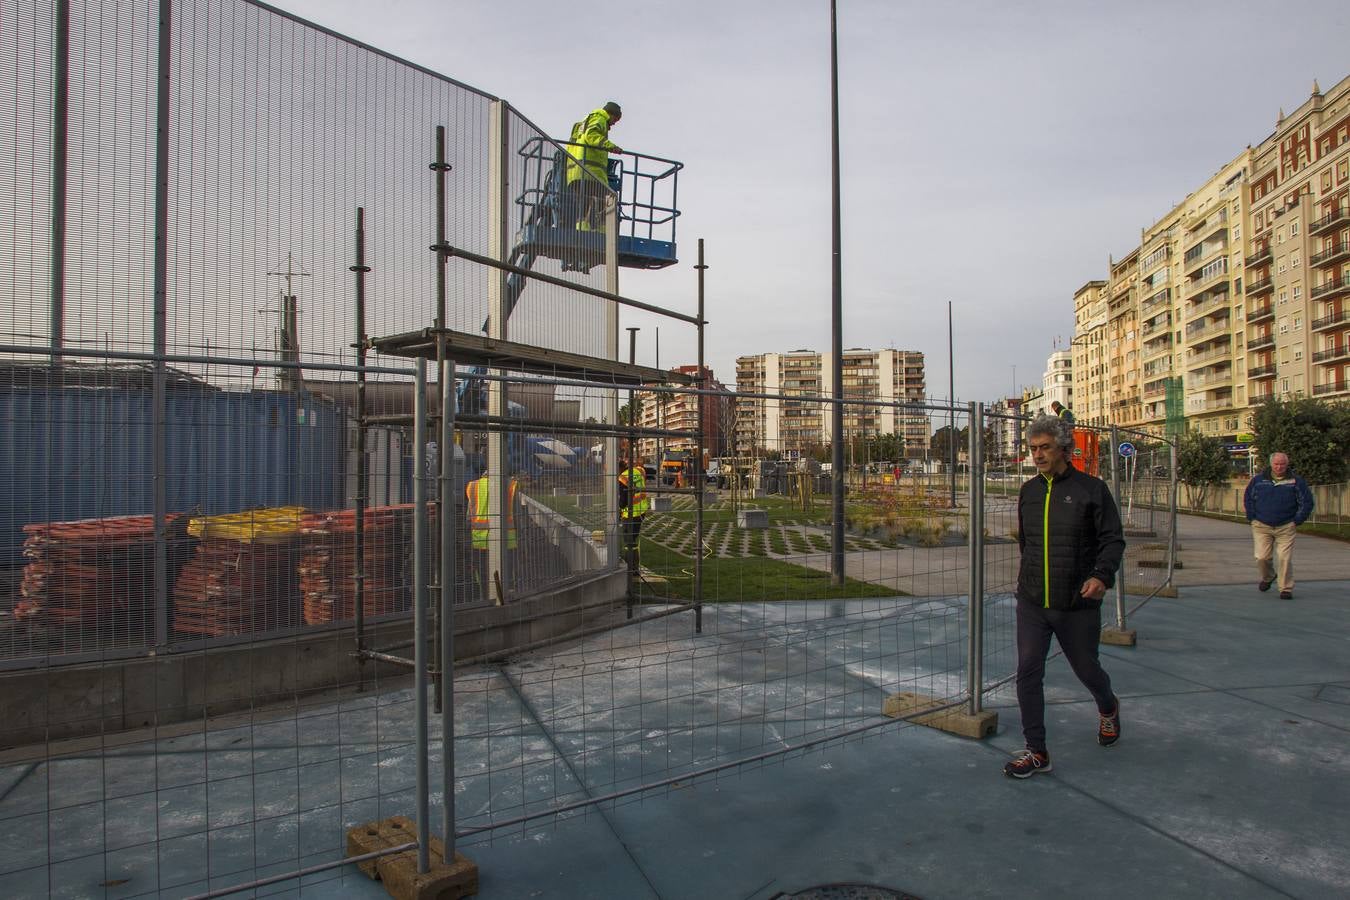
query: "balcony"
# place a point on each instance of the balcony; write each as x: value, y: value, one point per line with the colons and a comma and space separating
x: 1213, y: 302
x: 1332, y: 354
x: 1261, y: 256
x: 1331, y: 387
x: 1332, y: 287
x: 1218, y: 403
x: 1259, y: 312
x: 1217, y: 353
x: 1157, y: 301
x: 1258, y: 398
x: 1330, y: 220
x: 1261, y: 372
x: 1331, y: 255
x: 1200, y: 282
x: 1204, y: 333
x: 1331, y: 321
x: 1261, y: 342
x: 1256, y: 288
x: 1213, y: 380
x: 1155, y: 391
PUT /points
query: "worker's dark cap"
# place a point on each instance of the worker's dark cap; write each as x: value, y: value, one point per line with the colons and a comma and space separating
x: 613, y: 109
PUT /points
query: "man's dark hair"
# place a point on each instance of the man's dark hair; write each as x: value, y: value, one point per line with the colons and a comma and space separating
x: 613, y: 109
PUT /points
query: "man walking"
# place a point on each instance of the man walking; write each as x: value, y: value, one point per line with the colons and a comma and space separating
x: 1277, y: 501
x: 1069, y: 532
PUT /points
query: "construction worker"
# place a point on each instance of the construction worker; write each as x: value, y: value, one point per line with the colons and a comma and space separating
x: 1062, y: 411
x: 588, y: 167
x: 480, y: 527
x: 633, y: 505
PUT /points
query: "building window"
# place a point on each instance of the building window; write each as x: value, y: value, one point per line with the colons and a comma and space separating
x: 1284, y: 295
x: 1293, y: 228
x: 1326, y: 180
x: 1298, y: 292
x: 1298, y: 322
x: 1293, y: 260
x: 1284, y: 326
x: 1279, y: 269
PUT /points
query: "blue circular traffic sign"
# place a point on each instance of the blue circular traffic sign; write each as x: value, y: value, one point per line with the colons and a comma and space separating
x: 1126, y: 449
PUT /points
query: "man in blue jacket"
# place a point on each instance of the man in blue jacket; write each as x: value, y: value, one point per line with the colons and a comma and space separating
x: 1069, y: 532
x: 1277, y: 502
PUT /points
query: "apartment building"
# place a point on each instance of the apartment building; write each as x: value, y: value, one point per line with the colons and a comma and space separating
x: 679, y: 412
x: 885, y: 379
x: 1239, y: 294
x: 1122, y: 341
x: 1089, y: 353
x: 1298, y: 318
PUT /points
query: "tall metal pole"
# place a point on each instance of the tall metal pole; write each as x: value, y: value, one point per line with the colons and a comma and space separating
x: 975, y: 542
x: 632, y: 464
x: 1116, y: 464
x: 60, y: 146
x: 837, y: 320
x: 705, y: 384
x: 160, y: 398
x: 420, y: 611
x: 444, y: 521
x: 1172, y: 511
x: 362, y: 464
x: 447, y: 609
x: 951, y: 395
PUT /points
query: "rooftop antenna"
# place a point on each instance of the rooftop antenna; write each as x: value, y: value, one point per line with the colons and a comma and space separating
x: 289, y: 343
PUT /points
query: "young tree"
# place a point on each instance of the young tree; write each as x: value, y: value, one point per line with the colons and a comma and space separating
x: 1202, y: 463
x: 1314, y: 433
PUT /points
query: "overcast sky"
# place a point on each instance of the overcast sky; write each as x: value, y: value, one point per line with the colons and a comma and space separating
x: 993, y: 154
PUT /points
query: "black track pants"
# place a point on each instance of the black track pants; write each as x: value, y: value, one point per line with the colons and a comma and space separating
x: 1077, y: 631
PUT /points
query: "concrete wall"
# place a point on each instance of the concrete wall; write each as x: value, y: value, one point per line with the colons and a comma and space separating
x: 73, y: 701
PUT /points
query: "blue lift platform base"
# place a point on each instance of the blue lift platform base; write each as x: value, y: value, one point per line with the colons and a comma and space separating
x: 580, y: 250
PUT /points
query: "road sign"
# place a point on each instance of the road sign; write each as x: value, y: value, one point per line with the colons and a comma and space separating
x: 1126, y: 449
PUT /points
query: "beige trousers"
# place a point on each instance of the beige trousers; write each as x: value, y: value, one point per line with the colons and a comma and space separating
x: 1280, y: 539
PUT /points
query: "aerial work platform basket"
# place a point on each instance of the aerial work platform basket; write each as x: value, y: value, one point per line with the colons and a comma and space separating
x: 644, y: 186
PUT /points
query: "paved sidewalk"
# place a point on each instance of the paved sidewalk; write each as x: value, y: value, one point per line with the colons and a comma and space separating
x: 1231, y: 780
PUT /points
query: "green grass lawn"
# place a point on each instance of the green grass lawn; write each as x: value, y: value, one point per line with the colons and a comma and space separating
x: 752, y: 579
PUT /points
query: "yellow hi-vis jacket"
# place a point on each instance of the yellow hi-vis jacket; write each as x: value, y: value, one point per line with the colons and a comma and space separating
x: 636, y: 481
x: 589, y: 148
x: 476, y: 492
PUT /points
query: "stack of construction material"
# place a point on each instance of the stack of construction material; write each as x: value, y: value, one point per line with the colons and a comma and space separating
x: 328, y: 566
x: 242, y: 579
x: 95, y: 573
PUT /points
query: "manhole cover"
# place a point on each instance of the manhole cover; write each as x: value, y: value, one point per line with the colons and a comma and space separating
x: 847, y: 892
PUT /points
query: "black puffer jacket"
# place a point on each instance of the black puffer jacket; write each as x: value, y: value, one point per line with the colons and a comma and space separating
x: 1080, y: 539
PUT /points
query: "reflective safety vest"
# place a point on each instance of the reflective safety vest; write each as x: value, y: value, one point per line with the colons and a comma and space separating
x: 476, y: 492
x: 636, y: 482
x: 589, y: 147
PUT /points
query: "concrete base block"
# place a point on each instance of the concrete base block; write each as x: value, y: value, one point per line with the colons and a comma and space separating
x: 398, y: 871
x: 663, y: 504
x: 1141, y: 590
x: 1117, y: 638
x: 909, y: 705
x: 752, y: 518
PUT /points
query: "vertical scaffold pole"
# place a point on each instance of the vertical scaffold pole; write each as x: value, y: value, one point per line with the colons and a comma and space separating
x: 975, y: 542
x: 703, y: 384
x: 362, y: 464
x: 420, y: 610
x: 1117, y: 463
x: 447, y: 608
